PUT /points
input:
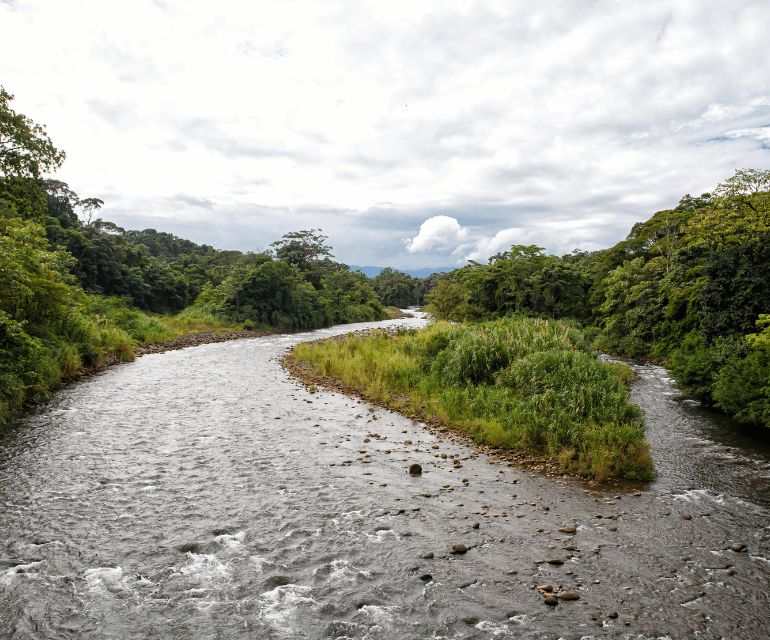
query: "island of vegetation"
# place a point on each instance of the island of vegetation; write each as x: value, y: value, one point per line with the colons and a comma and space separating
x: 512, y: 358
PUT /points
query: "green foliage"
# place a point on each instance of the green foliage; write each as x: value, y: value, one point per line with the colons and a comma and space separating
x: 530, y: 387
x: 736, y: 290
x: 299, y: 248
x: 478, y: 352
x: 118, y: 313
x: 395, y: 288
x: 25, y: 148
x: 740, y: 211
x: 448, y: 301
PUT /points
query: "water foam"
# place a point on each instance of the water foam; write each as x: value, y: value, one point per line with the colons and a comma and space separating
x: 104, y: 579
x: 282, y: 605
x: 232, y: 542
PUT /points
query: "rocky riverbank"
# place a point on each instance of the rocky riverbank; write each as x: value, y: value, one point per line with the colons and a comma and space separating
x: 197, y: 339
x: 301, y: 373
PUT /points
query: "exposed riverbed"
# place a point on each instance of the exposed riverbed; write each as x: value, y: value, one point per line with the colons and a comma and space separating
x: 202, y: 493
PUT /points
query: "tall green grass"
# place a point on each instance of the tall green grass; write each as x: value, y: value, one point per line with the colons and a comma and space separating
x: 521, y: 384
x: 35, y: 358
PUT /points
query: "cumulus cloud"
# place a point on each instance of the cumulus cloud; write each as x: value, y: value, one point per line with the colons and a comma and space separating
x: 438, y: 231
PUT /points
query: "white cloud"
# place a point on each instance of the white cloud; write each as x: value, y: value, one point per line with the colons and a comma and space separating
x: 560, y: 119
x: 760, y: 133
x: 438, y: 231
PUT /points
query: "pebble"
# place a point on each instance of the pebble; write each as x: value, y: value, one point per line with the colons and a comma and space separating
x: 555, y: 561
x: 545, y: 587
x: 512, y: 572
x: 415, y: 469
x: 738, y: 547
x: 613, y: 528
x: 686, y: 516
x: 731, y: 572
x: 612, y: 614
x: 568, y: 595
x: 552, y: 601
x: 428, y: 556
x: 568, y: 530
x: 459, y: 548
x: 475, y: 525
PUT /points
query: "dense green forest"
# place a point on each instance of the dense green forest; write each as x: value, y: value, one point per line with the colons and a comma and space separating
x: 77, y: 291
x: 690, y: 286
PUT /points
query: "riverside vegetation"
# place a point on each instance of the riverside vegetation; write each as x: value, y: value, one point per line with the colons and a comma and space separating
x: 689, y: 287
x: 517, y: 383
x: 77, y: 292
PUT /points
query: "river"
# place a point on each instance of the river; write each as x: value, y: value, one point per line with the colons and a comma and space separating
x: 203, y: 493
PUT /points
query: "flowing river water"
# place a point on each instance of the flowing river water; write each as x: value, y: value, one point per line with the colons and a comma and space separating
x: 203, y: 493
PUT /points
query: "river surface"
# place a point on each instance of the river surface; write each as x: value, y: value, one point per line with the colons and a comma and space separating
x: 203, y: 493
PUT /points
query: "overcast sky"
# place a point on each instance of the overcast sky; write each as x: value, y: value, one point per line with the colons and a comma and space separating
x: 414, y: 133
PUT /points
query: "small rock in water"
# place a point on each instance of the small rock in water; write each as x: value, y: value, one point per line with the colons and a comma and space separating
x: 426, y: 578
x: 426, y: 495
x: 568, y: 530
x: 731, y: 572
x: 459, y: 548
x: 189, y: 547
x: 552, y: 601
x: 475, y: 525
x: 415, y: 469
x: 555, y: 561
x: 686, y: 516
x: 512, y: 572
x: 738, y: 547
x: 612, y: 614
x: 613, y: 528
x: 428, y: 556
x: 545, y: 587
x: 568, y: 595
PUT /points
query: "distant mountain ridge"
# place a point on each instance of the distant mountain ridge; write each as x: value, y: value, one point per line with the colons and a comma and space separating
x: 372, y: 272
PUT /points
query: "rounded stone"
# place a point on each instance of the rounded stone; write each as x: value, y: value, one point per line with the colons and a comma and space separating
x: 551, y: 601
x: 415, y: 469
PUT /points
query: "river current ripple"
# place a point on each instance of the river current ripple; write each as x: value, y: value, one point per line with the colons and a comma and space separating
x: 204, y: 494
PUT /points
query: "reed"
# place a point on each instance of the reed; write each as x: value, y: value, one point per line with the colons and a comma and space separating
x: 518, y: 383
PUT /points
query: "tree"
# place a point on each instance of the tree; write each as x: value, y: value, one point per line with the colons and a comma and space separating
x: 394, y: 288
x: 25, y: 148
x: 740, y: 214
x: 448, y: 301
x: 300, y: 247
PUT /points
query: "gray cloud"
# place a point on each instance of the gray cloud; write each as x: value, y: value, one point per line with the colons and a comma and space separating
x: 560, y: 123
